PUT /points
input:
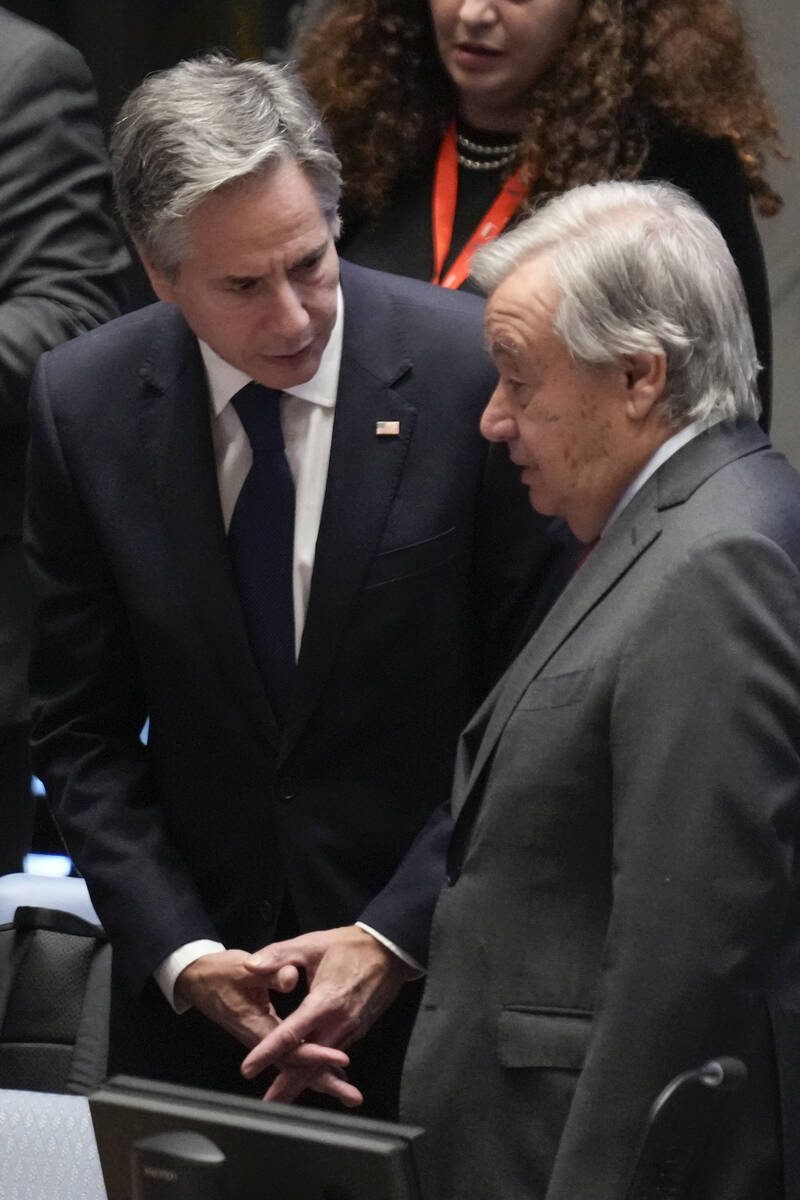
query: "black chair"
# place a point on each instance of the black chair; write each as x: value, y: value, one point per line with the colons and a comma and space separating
x: 55, y: 972
x: 681, y: 1118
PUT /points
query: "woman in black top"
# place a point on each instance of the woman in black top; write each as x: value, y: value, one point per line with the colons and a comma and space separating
x: 450, y: 116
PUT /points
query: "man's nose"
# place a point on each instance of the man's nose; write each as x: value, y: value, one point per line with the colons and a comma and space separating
x: 497, y: 423
x: 286, y: 315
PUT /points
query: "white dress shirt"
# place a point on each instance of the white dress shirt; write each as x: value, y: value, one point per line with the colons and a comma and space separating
x: 307, y: 414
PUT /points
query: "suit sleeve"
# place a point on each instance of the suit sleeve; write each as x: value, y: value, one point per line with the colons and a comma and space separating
x: 705, y: 763
x: 61, y: 255
x: 89, y: 706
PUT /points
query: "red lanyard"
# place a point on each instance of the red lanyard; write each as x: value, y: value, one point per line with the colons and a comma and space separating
x: 445, y: 189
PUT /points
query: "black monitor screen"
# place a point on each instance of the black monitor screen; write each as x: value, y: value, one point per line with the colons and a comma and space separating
x: 158, y: 1141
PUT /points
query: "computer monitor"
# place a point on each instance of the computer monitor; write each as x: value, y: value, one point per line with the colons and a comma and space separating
x: 158, y: 1141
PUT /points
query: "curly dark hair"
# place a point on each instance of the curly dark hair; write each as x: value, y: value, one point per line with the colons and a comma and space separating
x: 374, y: 71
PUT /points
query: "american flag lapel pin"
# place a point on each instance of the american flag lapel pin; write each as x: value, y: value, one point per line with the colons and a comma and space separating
x: 387, y: 428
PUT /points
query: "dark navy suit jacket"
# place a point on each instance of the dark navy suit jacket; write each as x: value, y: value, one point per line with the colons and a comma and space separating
x: 425, y: 544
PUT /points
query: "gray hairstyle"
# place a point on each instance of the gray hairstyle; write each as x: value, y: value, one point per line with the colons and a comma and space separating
x: 641, y: 267
x: 209, y: 123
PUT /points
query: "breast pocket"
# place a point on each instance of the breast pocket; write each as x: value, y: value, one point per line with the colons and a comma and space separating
x: 549, y: 775
x: 416, y: 558
x: 550, y: 1039
x: 556, y: 691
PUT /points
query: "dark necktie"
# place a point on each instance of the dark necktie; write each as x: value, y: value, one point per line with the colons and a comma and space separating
x: 260, y: 541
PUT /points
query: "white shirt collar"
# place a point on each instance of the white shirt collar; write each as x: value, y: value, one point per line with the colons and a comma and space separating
x: 224, y: 380
x: 665, y: 451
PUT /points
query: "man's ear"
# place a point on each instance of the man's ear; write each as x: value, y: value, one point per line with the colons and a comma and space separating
x: 646, y: 378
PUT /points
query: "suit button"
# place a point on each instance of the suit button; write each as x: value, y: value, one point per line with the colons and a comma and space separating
x: 286, y: 789
x: 452, y: 877
x: 267, y: 912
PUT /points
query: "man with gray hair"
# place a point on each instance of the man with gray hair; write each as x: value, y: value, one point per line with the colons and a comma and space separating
x: 622, y: 892
x: 261, y: 515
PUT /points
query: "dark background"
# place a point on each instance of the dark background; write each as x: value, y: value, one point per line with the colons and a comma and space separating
x: 122, y: 40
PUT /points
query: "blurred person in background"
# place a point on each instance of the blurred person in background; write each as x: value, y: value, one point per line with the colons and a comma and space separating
x: 452, y: 116
x: 62, y: 265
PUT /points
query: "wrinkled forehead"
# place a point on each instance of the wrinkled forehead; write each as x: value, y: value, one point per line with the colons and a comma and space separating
x: 520, y: 310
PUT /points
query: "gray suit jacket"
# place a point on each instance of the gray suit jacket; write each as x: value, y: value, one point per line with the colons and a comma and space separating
x: 621, y: 901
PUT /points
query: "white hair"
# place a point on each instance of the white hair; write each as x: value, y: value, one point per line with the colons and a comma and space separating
x: 641, y: 267
x: 205, y: 124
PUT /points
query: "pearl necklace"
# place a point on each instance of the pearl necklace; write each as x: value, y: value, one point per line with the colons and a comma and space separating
x: 491, y: 158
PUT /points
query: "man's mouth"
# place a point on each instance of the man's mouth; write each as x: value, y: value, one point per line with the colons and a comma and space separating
x: 291, y: 354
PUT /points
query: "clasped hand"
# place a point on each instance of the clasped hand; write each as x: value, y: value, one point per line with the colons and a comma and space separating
x: 352, y: 978
x: 224, y: 989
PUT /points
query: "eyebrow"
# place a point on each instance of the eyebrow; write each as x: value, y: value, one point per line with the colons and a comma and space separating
x: 503, y: 349
x: 309, y: 256
x: 316, y: 252
x: 235, y: 280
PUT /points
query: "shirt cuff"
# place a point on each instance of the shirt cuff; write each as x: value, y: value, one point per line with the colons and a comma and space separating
x: 384, y: 941
x: 166, y: 974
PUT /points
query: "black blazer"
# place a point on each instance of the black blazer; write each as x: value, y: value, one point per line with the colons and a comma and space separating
x: 425, y: 540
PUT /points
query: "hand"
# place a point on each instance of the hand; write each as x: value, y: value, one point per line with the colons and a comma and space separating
x: 221, y: 987
x: 352, y: 979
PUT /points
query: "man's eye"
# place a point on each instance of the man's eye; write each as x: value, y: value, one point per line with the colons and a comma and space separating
x: 308, y: 265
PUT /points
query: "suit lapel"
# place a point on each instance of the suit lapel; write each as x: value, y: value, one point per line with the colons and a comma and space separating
x: 175, y: 428
x: 631, y: 535
x: 607, y: 563
x: 363, y: 478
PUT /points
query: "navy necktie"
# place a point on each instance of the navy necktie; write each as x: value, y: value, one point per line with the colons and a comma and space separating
x: 261, y: 540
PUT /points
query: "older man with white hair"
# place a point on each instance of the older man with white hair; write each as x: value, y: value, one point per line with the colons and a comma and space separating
x: 621, y: 902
